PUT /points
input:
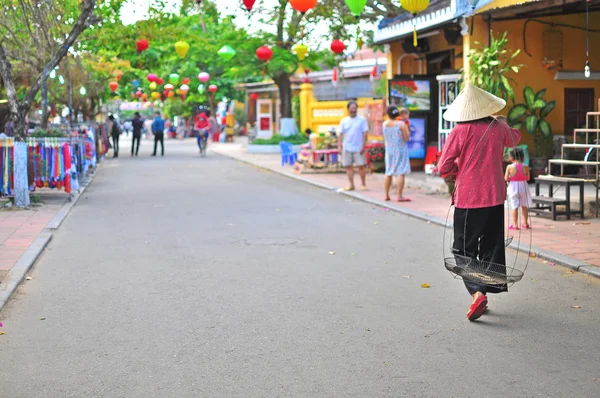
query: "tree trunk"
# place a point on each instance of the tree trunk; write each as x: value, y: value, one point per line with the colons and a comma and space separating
x: 284, y: 85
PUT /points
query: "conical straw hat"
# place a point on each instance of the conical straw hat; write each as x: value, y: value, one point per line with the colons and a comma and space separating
x: 473, y: 103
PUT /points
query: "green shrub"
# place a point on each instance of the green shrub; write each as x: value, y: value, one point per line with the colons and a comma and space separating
x: 276, y: 139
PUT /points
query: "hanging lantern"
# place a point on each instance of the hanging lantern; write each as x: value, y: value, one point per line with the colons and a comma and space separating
x: 118, y: 75
x: 151, y: 77
x: 186, y: 80
x: 414, y: 7
x: 335, y: 77
x: 254, y: 96
x: 301, y: 50
x: 169, y: 87
x: 201, y: 89
x: 303, y: 5
x: 171, y: 94
x: 338, y: 46
x: 113, y: 86
x: 139, y: 94
x: 165, y: 93
x: 144, y: 97
x: 160, y: 81
x: 135, y: 84
x: 249, y: 4
x: 174, y: 78
x: 226, y: 53
x: 155, y: 95
x: 264, y: 53
x: 133, y: 95
x: 82, y: 91
x: 178, y: 91
x: 204, y: 77
x: 184, y: 88
x: 153, y: 86
x: 213, y: 88
x: 182, y: 48
x: 357, y: 6
x: 142, y: 45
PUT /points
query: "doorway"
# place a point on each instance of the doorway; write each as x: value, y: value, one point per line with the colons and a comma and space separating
x: 578, y: 102
x: 264, y: 118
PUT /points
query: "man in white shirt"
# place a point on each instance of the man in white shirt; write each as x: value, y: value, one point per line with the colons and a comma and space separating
x: 351, y: 143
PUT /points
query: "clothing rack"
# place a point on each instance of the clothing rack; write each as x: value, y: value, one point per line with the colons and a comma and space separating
x: 52, y: 162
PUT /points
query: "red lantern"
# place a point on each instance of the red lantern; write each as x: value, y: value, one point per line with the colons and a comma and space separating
x: 159, y: 81
x: 113, y: 86
x: 142, y: 45
x: 187, y: 80
x: 338, y: 46
x: 213, y: 88
x: 303, y: 5
x: 139, y: 94
x: 264, y: 53
x: 249, y: 4
x: 254, y: 96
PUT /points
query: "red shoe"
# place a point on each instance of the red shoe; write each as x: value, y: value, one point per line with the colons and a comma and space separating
x: 477, y: 308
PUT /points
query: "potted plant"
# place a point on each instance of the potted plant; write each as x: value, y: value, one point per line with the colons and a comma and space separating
x: 376, y: 157
x: 532, y: 116
x: 491, y: 65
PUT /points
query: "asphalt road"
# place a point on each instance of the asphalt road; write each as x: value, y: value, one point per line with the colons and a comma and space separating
x: 189, y: 277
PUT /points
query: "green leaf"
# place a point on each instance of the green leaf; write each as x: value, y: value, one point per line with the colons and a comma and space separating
x: 515, y: 69
x: 545, y: 128
x: 531, y: 123
x: 494, y: 63
x: 538, y: 104
x: 508, y: 88
x: 540, y: 94
x: 547, y: 109
x: 516, y: 113
x: 517, y: 126
x: 529, y: 96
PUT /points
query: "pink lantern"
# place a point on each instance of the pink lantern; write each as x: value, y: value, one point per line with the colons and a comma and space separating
x: 213, y: 88
x: 152, y: 77
x: 184, y: 89
x: 204, y: 77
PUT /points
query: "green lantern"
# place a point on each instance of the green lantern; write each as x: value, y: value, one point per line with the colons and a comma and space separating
x: 226, y: 53
x: 201, y: 89
x: 356, y: 6
x: 174, y: 78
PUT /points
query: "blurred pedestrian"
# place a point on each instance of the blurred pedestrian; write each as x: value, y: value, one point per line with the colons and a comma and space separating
x: 158, y: 129
x: 137, y: 125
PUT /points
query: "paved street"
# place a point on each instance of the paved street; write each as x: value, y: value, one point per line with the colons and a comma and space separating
x: 190, y: 277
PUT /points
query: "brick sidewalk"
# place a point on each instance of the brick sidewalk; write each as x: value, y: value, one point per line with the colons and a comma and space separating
x: 19, y: 228
x: 578, y: 239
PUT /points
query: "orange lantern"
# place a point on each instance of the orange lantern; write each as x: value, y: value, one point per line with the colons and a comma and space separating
x: 303, y: 5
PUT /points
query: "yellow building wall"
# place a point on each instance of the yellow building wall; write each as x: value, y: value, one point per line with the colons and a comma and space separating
x: 533, y: 73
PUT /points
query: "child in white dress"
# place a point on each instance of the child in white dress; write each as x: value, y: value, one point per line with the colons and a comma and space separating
x: 517, y: 176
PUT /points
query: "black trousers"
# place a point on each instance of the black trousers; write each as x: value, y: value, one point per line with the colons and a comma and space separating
x: 115, y: 139
x: 135, y: 143
x: 159, y: 137
x: 479, y: 234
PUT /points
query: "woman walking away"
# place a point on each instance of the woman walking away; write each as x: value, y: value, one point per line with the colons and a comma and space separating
x: 397, y: 162
x: 137, y: 125
x: 474, y: 151
x: 517, y: 175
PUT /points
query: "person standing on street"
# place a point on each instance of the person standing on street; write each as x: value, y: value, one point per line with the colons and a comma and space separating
x: 474, y: 151
x: 115, y: 132
x: 158, y: 130
x: 137, y: 125
x: 352, y: 141
x: 397, y: 162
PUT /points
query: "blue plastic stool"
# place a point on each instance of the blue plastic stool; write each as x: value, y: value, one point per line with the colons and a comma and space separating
x: 288, y: 155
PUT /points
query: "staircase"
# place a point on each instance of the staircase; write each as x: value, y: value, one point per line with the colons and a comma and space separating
x: 584, y: 139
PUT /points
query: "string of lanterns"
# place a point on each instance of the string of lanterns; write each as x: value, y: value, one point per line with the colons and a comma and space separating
x: 263, y: 53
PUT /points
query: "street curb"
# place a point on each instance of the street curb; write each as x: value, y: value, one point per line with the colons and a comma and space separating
x: 21, y: 268
x: 18, y: 272
x: 560, y: 259
x: 58, y: 219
